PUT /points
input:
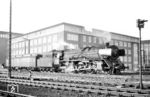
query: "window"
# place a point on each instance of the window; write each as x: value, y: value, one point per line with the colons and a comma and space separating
x: 90, y: 39
x: 94, y: 39
x: 13, y: 46
x: 44, y: 48
x: 1, y: 35
x: 126, y: 51
x: 22, y: 51
x: 84, y: 38
x: 31, y: 43
x: 120, y: 43
x: 129, y: 59
x: 125, y: 44
x: 54, y: 38
x: 116, y: 42
x: 16, y: 52
x: 49, y: 48
x: 39, y: 41
x: 44, y: 40
x: 49, y: 39
x: 39, y: 49
x: 23, y: 44
x: 35, y: 42
x: 16, y: 45
x: 100, y: 40
x: 12, y: 52
x: 35, y: 50
x: 19, y: 44
x: 129, y: 44
x: 26, y: 44
x: 125, y: 58
x: 73, y: 37
x: 129, y: 51
x: 7, y: 36
x: 4, y: 35
x: 31, y: 50
x: 27, y: 51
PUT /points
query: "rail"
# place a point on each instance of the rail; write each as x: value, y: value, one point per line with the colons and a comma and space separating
x: 11, y: 94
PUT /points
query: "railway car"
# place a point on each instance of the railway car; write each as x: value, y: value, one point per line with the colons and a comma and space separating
x: 23, y: 62
x: 45, y: 62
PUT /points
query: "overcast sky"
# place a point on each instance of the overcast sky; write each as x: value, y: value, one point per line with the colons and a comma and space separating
x: 111, y: 15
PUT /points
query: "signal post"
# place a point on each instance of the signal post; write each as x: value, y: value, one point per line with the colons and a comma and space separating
x: 140, y: 25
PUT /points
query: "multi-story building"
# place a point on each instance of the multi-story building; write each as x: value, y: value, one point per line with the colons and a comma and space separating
x: 146, y: 53
x: 65, y: 35
x: 4, y: 36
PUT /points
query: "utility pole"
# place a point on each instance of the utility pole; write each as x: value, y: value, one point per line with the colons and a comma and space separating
x: 140, y: 25
x: 10, y: 21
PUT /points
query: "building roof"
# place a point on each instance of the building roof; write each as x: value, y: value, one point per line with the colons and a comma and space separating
x: 63, y: 23
x: 5, y: 32
x: 14, y: 34
x: 145, y: 41
x: 124, y: 35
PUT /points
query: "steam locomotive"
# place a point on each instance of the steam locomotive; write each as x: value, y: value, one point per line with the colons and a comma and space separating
x: 86, y: 60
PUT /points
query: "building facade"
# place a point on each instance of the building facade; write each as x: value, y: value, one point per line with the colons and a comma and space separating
x: 70, y: 36
x: 145, y: 53
x: 4, y: 36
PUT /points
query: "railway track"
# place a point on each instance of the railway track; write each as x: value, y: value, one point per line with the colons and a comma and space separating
x: 105, y: 80
x: 109, y: 80
x: 82, y: 87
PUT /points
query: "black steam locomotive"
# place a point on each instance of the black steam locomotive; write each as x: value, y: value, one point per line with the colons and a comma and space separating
x: 87, y: 60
